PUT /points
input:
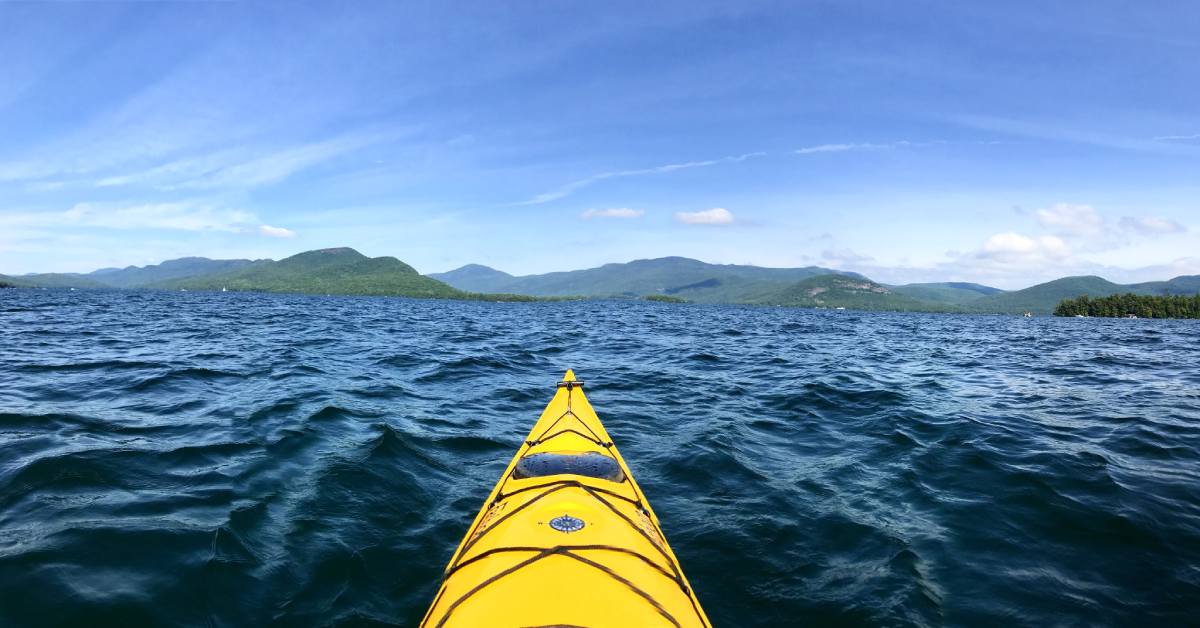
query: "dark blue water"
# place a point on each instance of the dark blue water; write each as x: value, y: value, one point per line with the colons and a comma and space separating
x: 238, y: 460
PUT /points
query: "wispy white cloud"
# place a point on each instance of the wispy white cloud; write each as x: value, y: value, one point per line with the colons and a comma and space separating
x: 838, y: 257
x: 1151, y: 225
x: 276, y: 232
x: 714, y: 216
x: 1071, y: 220
x: 1022, y: 250
x: 1090, y: 230
x: 828, y: 148
x: 841, y: 148
x: 1065, y: 239
x: 856, y: 146
x: 1058, y: 132
x: 1073, y: 236
x: 1177, y: 138
x: 177, y: 216
x: 241, y: 169
x: 611, y: 212
x: 574, y: 186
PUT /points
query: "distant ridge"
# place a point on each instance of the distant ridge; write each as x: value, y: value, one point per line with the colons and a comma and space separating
x: 325, y: 271
x: 136, y: 276
x: 683, y: 277
x: 841, y: 291
x: 953, y: 293
x: 343, y: 270
x: 56, y: 280
x: 474, y: 278
x: 339, y: 270
x: 1042, y: 298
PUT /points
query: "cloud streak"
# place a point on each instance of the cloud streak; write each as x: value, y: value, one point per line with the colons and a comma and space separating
x: 1070, y: 220
x: 1151, y: 225
x: 1177, y: 138
x: 714, y: 216
x: 1060, y: 133
x: 240, y: 169
x: 612, y: 212
x: 276, y: 232
x: 574, y: 186
x: 864, y: 146
x: 177, y: 216
x: 842, y: 148
x: 568, y: 189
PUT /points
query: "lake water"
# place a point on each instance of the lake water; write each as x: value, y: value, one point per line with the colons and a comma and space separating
x: 244, y: 460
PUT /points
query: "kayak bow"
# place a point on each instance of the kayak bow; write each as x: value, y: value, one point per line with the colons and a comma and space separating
x: 565, y: 539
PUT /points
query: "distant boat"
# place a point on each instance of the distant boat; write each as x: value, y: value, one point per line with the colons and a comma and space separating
x: 841, y: 308
x: 1131, y: 316
x: 1080, y: 316
x: 223, y: 289
x: 1028, y: 314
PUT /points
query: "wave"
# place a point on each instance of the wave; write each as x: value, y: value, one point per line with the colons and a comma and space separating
x: 321, y: 463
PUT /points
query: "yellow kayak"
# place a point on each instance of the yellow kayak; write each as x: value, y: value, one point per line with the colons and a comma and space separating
x: 565, y: 539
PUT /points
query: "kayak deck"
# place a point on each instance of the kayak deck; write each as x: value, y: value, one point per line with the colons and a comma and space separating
x: 565, y: 538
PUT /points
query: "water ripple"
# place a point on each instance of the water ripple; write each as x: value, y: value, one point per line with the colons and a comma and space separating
x: 229, y: 460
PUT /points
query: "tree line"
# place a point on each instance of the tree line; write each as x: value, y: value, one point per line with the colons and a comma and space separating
x: 1123, y: 305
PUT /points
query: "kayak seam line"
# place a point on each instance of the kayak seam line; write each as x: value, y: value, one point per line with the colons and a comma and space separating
x: 505, y: 517
x: 553, y: 424
x: 557, y: 486
x: 454, y: 605
x: 675, y: 567
x: 595, y: 437
x: 619, y: 578
x: 581, y: 421
x: 613, y: 548
x: 598, y: 442
x: 678, y: 579
x: 503, y: 496
x: 558, y: 550
x: 595, y: 493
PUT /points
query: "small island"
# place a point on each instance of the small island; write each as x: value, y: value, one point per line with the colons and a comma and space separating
x: 1131, y: 305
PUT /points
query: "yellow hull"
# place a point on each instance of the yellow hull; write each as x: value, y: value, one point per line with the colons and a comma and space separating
x: 565, y: 539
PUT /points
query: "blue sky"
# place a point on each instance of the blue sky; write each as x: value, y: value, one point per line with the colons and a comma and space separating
x: 1005, y: 143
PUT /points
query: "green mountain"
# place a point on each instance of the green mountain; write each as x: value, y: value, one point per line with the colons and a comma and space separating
x: 55, y: 280
x: 129, y: 277
x: 346, y: 271
x: 953, y: 293
x: 1044, y: 297
x: 1182, y: 285
x: 184, y: 267
x: 325, y: 271
x: 852, y: 293
x: 681, y: 277
x: 475, y: 278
